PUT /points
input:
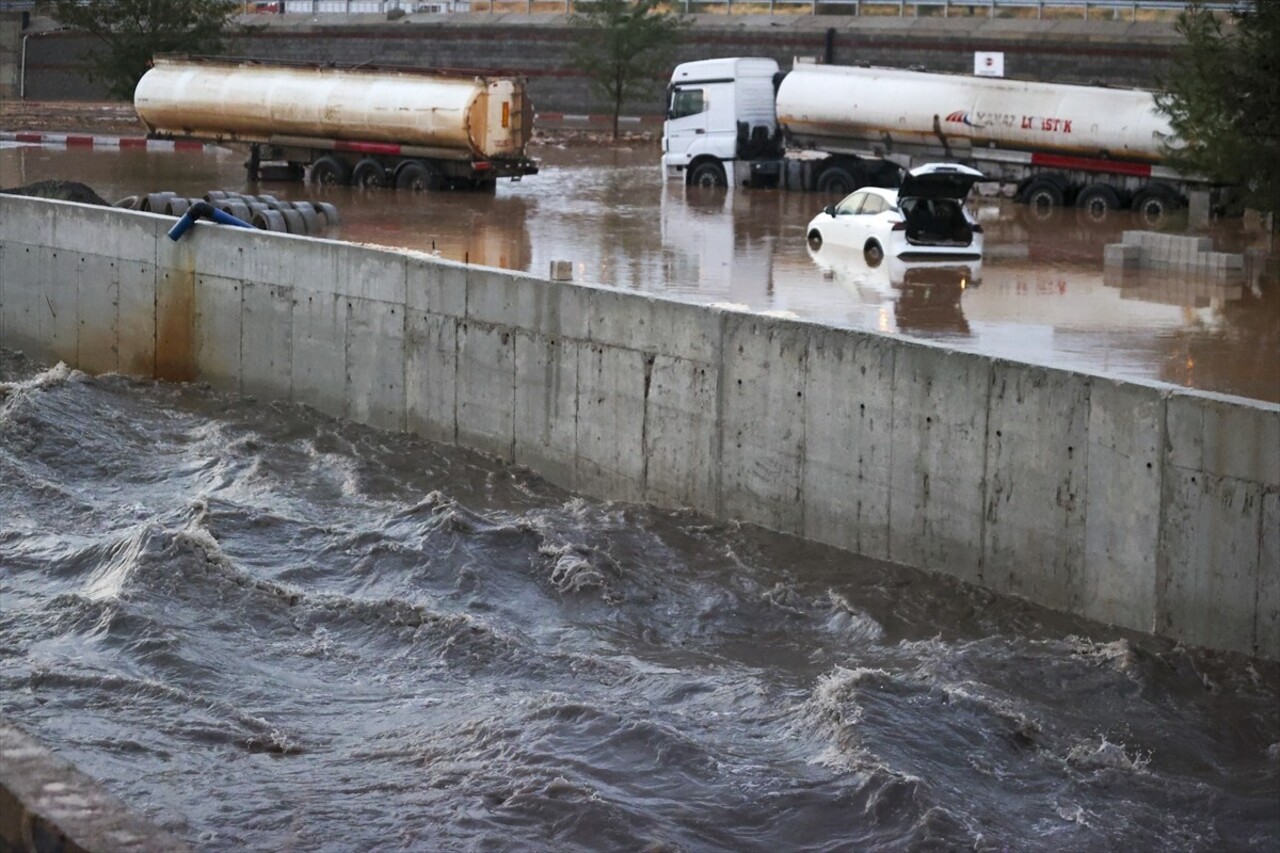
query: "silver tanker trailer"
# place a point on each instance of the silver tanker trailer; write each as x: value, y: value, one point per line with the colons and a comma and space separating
x: 370, y: 127
x: 834, y: 128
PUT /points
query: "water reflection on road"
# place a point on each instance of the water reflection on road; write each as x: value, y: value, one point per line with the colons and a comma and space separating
x: 1039, y: 295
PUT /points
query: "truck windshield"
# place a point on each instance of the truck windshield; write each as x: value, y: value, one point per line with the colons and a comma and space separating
x: 686, y: 102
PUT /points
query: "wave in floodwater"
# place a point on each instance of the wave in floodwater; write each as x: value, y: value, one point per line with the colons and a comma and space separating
x: 267, y: 629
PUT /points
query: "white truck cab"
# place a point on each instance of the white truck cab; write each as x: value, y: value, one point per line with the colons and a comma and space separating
x: 716, y: 107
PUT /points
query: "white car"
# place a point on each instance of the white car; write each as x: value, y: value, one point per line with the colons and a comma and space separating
x: 924, y: 216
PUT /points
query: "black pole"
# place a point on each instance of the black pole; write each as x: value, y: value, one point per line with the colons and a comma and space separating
x: 255, y: 159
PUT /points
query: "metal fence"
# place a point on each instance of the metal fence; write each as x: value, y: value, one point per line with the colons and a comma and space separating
x: 1085, y: 9
x: 1109, y: 9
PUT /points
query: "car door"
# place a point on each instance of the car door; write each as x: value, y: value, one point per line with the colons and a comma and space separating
x: 845, y: 222
x: 872, y: 222
x: 686, y: 122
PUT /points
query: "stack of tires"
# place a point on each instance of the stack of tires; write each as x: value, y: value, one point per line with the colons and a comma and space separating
x: 262, y: 211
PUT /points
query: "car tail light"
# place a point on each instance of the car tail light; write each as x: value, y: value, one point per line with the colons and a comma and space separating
x: 977, y: 229
x: 481, y: 166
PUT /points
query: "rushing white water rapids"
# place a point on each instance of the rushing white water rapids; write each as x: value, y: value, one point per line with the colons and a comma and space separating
x: 266, y: 629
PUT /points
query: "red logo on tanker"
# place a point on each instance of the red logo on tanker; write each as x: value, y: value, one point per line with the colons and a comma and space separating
x: 1052, y: 125
x: 1044, y: 123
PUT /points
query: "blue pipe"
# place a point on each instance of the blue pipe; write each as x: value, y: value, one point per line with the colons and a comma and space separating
x: 203, y: 210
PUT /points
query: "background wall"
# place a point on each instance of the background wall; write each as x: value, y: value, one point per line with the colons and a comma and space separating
x: 1112, y: 52
x: 1146, y: 506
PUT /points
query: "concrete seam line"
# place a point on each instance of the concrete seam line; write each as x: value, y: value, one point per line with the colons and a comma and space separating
x: 986, y: 479
x: 1160, y: 598
x: 717, y: 433
x: 893, y: 413
x: 1259, y: 572
x: 803, y: 457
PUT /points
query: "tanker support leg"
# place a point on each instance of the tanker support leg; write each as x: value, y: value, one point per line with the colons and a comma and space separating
x: 251, y: 165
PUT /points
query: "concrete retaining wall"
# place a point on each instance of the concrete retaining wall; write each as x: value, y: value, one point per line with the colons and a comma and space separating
x: 48, y: 805
x: 1147, y: 506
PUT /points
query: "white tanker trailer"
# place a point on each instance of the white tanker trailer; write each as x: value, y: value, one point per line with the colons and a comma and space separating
x: 371, y: 127
x: 835, y: 128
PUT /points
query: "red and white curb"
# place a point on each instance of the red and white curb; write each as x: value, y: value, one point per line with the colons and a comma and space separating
x: 123, y: 143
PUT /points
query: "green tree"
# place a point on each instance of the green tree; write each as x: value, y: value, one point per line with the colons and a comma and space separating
x: 133, y: 31
x: 626, y: 47
x: 1222, y: 97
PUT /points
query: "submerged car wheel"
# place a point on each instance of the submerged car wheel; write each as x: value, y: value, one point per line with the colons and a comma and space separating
x: 815, y: 239
x: 873, y: 253
x: 708, y: 174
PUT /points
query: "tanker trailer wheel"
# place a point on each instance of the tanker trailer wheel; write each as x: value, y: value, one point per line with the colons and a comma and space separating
x: 330, y: 172
x: 417, y: 176
x: 708, y: 174
x: 369, y: 173
x: 837, y: 181
x: 1153, y: 204
x: 1096, y: 202
x: 1042, y: 195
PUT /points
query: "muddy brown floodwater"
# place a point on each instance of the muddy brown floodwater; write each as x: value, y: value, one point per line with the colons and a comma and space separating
x: 1040, y: 295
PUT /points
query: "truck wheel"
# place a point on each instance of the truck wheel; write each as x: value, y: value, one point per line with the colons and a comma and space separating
x: 330, y: 172
x: 1154, y: 203
x: 1096, y: 202
x: 369, y: 174
x: 836, y: 180
x: 708, y: 174
x: 417, y: 177
x: 1042, y: 194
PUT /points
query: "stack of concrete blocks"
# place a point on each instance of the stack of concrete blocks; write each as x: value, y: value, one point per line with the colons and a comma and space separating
x: 1192, y: 256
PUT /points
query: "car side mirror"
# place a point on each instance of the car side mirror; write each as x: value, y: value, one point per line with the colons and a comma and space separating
x: 829, y: 210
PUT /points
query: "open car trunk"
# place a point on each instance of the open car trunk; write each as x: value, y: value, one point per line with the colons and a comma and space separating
x: 936, y: 222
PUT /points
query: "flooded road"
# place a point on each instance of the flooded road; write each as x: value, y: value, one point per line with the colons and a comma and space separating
x: 1039, y: 295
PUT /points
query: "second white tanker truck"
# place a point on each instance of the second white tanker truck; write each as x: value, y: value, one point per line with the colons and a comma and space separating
x: 370, y: 127
x: 835, y: 128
